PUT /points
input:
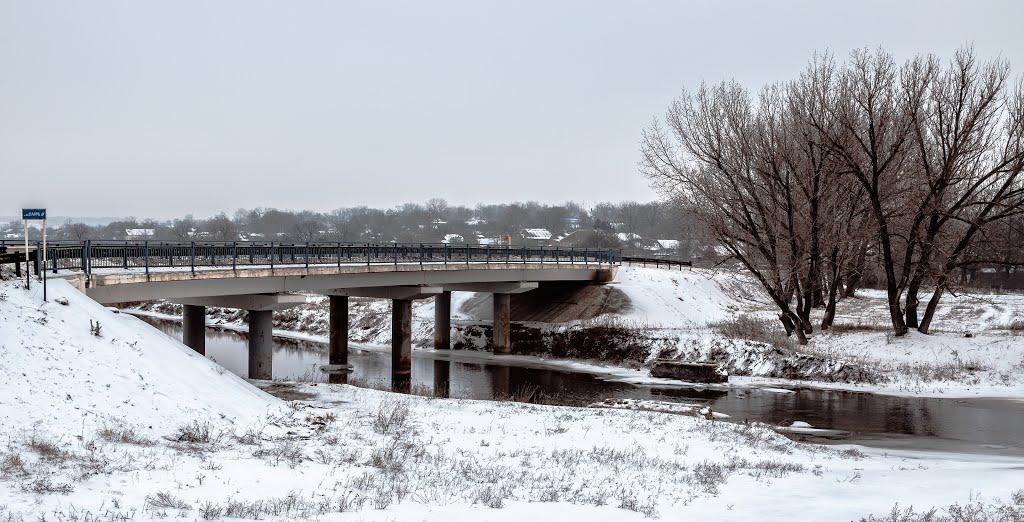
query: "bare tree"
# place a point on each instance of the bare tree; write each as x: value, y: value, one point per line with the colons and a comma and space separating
x: 721, y: 159
x: 929, y: 157
x: 76, y: 231
x: 969, y: 136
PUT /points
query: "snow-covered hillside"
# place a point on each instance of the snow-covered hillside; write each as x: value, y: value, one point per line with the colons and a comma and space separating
x: 75, y: 367
x: 677, y: 299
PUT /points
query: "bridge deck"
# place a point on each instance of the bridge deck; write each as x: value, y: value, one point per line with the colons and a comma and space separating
x: 115, y: 285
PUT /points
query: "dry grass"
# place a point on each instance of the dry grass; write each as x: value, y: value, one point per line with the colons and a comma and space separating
x: 124, y: 435
x: 753, y: 328
x: 196, y: 432
x: 392, y: 417
x: 1011, y: 510
x: 288, y: 451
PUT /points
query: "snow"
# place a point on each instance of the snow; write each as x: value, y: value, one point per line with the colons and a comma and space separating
x: 443, y: 460
x: 59, y: 378
x: 675, y: 298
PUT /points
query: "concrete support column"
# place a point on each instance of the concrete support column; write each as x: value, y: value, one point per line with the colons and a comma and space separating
x: 401, y: 344
x: 337, y: 337
x: 338, y: 334
x: 501, y: 379
x: 501, y: 336
x: 261, y: 344
x: 442, y: 378
x: 443, y: 321
x: 193, y: 327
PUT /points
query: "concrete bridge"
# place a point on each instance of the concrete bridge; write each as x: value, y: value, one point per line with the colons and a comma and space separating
x: 263, y: 278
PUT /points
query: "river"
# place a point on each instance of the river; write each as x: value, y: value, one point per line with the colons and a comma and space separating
x: 975, y: 425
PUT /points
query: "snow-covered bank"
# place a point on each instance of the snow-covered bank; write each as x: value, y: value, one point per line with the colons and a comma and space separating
x: 71, y: 368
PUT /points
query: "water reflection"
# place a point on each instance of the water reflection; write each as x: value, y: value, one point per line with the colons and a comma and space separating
x: 991, y: 422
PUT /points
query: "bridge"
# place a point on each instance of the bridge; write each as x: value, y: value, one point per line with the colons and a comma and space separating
x: 263, y: 277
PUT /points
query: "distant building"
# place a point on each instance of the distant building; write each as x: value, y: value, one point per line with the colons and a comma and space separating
x: 668, y: 244
x: 628, y: 237
x: 139, y: 233
x: 450, y: 239
x: 475, y: 222
x: 536, y: 236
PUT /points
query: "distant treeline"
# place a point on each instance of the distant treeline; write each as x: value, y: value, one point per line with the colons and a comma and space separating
x: 629, y: 225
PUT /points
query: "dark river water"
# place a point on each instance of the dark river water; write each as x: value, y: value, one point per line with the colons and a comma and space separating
x: 977, y: 425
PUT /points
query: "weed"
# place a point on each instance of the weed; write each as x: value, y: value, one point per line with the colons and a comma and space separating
x: 288, y: 451
x: 47, y: 450
x: 392, y: 417
x: 753, y: 328
x: 196, y: 432
x: 165, y: 500
x: 124, y: 435
x: 43, y: 484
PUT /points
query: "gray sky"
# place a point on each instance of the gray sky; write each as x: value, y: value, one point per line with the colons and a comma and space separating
x: 158, y: 109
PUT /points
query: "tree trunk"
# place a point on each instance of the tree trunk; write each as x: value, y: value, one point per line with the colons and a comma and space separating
x: 790, y: 321
x: 856, y: 273
x: 911, y: 303
x: 830, y: 308
x: 803, y: 313
x: 787, y: 323
x: 933, y: 303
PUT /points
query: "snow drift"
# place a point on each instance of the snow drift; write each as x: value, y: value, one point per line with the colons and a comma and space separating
x: 65, y: 375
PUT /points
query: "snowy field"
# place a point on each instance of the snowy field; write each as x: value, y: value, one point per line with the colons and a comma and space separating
x: 125, y: 423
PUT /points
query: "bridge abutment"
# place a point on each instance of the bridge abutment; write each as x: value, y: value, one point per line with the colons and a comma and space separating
x: 193, y: 327
x: 261, y: 344
x: 501, y: 327
x: 443, y: 321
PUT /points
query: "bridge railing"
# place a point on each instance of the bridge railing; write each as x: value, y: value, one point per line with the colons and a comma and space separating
x: 87, y: 256
x: 656, y: 262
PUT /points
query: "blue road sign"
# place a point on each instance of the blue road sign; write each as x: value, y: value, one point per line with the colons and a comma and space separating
x: 33, y: 213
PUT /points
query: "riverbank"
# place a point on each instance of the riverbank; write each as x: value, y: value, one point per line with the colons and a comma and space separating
x: 701, y: 315
x: 129, y: 424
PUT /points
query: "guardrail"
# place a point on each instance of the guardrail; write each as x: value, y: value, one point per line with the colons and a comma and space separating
x: 86, y: 256
x: 656, y: 262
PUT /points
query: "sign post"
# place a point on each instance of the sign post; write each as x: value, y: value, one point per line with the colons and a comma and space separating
x: 35, y: 214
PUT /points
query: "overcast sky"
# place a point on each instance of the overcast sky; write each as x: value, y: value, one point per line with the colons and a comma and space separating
x: 158, y: 109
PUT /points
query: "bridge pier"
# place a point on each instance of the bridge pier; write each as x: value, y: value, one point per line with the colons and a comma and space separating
x: 501, y: 338
x: 443, y: 321
x: 261, y: 344
x: 442, y: 377
x: 338, y: 338
x: 193, y: 327
x: 501, y: 381
x: 401, y: 344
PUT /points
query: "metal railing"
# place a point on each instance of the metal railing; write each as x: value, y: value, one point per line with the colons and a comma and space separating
x: 88, y: 255
x: 656, y: 262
